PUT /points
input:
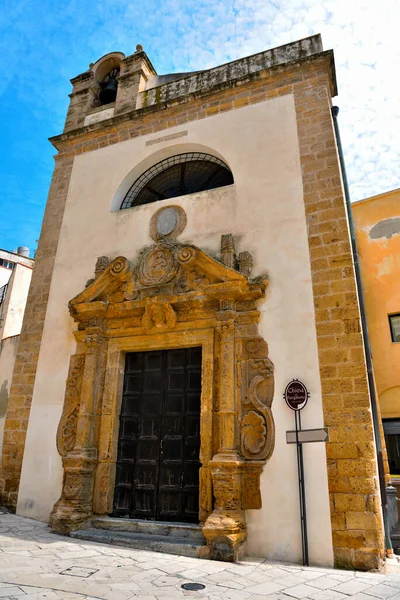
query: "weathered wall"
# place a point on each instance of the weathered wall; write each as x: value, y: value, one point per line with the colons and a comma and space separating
x: 271, y: 225
x: 31, y: 335
x: 8, y: 353
x: 377, y: 222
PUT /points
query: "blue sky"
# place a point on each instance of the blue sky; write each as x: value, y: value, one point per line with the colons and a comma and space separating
x: 44, y: 43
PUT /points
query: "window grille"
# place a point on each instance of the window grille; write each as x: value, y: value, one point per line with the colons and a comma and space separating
x: 177, y: 176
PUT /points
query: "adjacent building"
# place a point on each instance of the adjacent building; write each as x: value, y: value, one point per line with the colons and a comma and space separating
x: 377, y: 222
x: 194, y: 260
x: 15, y: 278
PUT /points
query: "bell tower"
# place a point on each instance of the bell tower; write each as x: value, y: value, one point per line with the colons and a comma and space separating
x: 108, y: 88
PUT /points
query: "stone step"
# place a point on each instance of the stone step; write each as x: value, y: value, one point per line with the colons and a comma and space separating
x: 142, y: 541
x: 188, y: 531
x: 395, y: 539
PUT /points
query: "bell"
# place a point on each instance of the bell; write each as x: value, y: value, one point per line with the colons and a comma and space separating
x: 109, y: 92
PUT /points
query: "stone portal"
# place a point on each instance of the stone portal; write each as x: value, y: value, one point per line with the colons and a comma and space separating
x: 174, y: 297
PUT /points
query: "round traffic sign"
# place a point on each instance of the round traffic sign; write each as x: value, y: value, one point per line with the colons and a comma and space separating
x: 296, y: 395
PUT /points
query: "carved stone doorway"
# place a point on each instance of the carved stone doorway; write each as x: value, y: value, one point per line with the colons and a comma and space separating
x: 157, y: 470
x: 173, y: 296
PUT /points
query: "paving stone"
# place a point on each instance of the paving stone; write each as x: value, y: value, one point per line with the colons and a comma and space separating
x: 311, y: 574
x: 329, y: 595
x: 351, y: 587
x: 383, y: 591
x: 300, y: 591
x: 33, y: 558
x: 362, y: 596
x: 11, y: 591
x: 265, y: 588
x: 289, y: 580
x: 323, y: 583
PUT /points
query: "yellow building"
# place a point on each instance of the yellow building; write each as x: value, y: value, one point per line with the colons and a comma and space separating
x: 377, y: 223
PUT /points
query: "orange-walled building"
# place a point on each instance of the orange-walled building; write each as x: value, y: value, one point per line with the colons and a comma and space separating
x: 377, y: 223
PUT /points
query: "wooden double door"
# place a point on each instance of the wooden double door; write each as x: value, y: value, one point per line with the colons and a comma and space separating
x: 157, y: 475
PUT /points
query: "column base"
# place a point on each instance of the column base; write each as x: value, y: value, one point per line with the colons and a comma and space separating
x: 75, y: 505
x: 225, y: 532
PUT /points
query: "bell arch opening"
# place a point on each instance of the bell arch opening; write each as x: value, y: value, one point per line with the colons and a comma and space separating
x: 178, y: 175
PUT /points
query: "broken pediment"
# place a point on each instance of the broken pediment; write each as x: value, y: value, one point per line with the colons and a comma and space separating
x: 182, y: 273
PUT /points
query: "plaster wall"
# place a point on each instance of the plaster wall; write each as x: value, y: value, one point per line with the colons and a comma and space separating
x: 264, y: 210
x: 8, y: 352
x: 14, y: 307
x: 377, y: 222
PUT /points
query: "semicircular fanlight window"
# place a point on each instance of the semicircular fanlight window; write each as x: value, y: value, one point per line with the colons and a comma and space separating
x: 177, y: 176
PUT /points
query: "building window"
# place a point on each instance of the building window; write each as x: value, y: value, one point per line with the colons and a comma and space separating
x: 391, y: 427
x: 177, y: 176
x: 394, y: 321
x: 6, y: 263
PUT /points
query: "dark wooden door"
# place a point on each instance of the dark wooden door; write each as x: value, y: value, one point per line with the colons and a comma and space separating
x: 159, y: 438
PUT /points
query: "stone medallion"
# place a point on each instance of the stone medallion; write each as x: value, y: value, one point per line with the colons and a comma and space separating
x: 167, y: 223
x: 157, y: 266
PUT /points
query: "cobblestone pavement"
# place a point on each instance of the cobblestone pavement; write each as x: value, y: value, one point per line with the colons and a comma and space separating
x: 38, y: 565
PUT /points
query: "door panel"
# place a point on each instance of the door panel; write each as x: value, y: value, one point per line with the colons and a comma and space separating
x: 157, y: 474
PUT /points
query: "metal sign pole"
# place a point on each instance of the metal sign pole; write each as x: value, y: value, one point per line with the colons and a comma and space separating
x: 296, y: 397
x: 302, y: 491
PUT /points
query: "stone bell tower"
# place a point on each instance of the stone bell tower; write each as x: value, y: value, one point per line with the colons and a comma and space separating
x: 124, y: 77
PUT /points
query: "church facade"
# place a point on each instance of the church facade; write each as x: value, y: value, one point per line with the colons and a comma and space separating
x: 194, y: 259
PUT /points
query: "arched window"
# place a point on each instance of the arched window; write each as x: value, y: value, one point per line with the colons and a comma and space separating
x: 176, y: 176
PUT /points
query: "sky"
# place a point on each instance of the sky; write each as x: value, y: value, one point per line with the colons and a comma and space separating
x: 44, y: 43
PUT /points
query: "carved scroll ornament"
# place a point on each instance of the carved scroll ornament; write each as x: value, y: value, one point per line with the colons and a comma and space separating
x: 66, y: 432
x: 258, y: 429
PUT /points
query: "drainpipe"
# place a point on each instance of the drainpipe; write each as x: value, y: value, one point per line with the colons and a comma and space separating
x: 367, y: 347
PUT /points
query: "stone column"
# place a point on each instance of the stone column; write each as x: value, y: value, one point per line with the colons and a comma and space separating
x: 84, y: 428
x: 75, y: 504
x: 135, y: 71
x: 225, y: 528
x: 81, y: 100
x: 226, y: 410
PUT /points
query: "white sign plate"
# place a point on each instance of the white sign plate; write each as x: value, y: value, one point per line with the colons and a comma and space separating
x: 308, y: 435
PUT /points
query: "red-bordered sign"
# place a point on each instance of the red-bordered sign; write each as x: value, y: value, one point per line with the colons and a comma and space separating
x: 296, y: 395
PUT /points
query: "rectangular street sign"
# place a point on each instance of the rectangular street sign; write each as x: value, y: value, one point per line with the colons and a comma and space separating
x: 308, y: 435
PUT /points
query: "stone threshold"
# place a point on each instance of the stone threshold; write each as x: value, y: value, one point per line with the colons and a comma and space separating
x: 183, y: 539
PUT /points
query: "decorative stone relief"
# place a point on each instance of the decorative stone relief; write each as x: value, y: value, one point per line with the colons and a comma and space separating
x: 257, y: 429
x: 66, y: 432
x: 157, y: 266
x: 101, y: 264
x: 158, y: 314
x: 174, y: 295
x: 245, y: 261
x: 228, y: 250
x: 254, y: 433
